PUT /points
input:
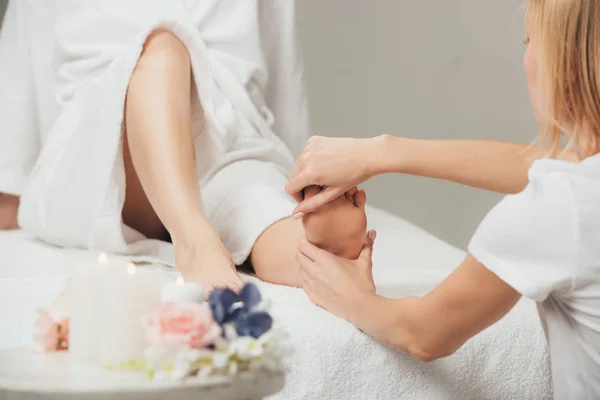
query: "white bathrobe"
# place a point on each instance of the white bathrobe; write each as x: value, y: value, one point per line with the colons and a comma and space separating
x: 66, y: 162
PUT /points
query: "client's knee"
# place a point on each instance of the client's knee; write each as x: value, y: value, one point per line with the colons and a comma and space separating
x: 164, y: 51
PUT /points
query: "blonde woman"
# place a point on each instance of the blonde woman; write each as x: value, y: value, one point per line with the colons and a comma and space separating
x: 541, y: 241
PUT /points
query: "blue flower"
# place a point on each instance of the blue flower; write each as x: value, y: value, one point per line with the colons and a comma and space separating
x: 239, y: 309
x: 253, y: 324
x: 221, y: 301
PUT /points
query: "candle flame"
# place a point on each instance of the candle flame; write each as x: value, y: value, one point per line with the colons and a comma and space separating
x: 179, y: 280
x: 131, y: 268
x: 102, y: 258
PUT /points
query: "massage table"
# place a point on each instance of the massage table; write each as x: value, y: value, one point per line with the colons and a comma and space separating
x: 331, y: 358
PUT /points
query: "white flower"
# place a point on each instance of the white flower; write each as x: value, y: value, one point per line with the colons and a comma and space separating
x: 232, y: 369
x: 222, y: 344
x: 181, y: 369
x: 157, y: 357
x: 161, y: 376
x: 266, y: 337
x: 173, y: 363
x: 205, y: 371
x: 220, y: 360
x: 246, y: 348
x: 230, y: 332
x: 191, y: 355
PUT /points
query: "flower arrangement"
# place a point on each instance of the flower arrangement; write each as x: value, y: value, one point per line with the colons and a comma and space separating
x: 229, y: 334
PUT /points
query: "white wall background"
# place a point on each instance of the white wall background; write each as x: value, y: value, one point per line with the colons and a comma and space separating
x: 428, y: 69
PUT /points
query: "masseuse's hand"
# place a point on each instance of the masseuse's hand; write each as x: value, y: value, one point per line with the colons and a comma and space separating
x: 338, y: 285
x: 337, y: 164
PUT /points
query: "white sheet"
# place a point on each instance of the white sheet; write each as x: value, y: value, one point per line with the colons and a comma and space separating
x: 333, y: 360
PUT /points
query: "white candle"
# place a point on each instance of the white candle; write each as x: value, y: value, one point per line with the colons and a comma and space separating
x: 132, y: 294
x: 182, y: 291
x: 85, y: 308
x: 108, y: 303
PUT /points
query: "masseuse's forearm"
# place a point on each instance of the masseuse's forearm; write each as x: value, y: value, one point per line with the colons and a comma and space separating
x: 399, y: 324
x: 437, y: 324
x: 496, y: 166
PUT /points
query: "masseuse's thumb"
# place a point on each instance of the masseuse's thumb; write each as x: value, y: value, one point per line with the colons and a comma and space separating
x: 367, y: 250
x: 312, y: 204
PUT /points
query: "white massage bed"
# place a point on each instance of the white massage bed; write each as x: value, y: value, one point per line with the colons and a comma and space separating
x: 332, y: 359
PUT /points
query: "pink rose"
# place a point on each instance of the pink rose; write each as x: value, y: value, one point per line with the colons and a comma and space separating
x: 182, y: 324
x: 50, y: 334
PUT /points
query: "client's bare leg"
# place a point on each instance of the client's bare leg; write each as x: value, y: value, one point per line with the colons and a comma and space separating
x: 273, y: 256
x: 162, y: 183
x: 9, y: 207
x: 340, y: 228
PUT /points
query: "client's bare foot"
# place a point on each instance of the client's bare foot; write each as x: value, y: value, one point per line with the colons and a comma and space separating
x: 203, y: 258
x: 9, y: 207
x: 339, y: 227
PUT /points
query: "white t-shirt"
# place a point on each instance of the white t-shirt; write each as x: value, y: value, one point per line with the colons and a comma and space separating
x: 545, y: 243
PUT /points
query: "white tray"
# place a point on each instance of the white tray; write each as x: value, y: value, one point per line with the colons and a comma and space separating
x: 26, y: 374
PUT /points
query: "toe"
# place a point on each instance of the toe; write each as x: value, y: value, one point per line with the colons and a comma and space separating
x: 360, y: 198
x: 350, y: 193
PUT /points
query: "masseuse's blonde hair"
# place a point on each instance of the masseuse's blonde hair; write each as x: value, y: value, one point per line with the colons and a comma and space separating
x: 567, y: 33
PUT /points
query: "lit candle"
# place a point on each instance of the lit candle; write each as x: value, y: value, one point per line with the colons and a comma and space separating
x: 109, y: 301
x: 182, y: 291
x: 85, y: 308
x: 132, y: 293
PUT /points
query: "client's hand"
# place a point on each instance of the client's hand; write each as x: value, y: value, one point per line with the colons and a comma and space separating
x: 334, y: 283
x: 334, y: 163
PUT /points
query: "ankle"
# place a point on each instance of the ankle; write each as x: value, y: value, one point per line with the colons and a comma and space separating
x: 193, y: 232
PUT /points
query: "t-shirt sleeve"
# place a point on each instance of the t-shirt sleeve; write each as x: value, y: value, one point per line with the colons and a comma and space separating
x: 528, y: 239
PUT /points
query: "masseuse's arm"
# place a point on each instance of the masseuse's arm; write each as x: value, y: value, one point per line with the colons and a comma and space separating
x: 428, y: 327
x: 495, y: 166
x: 439, y: 323
x: 525, y: 246
x: 339, y: 164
